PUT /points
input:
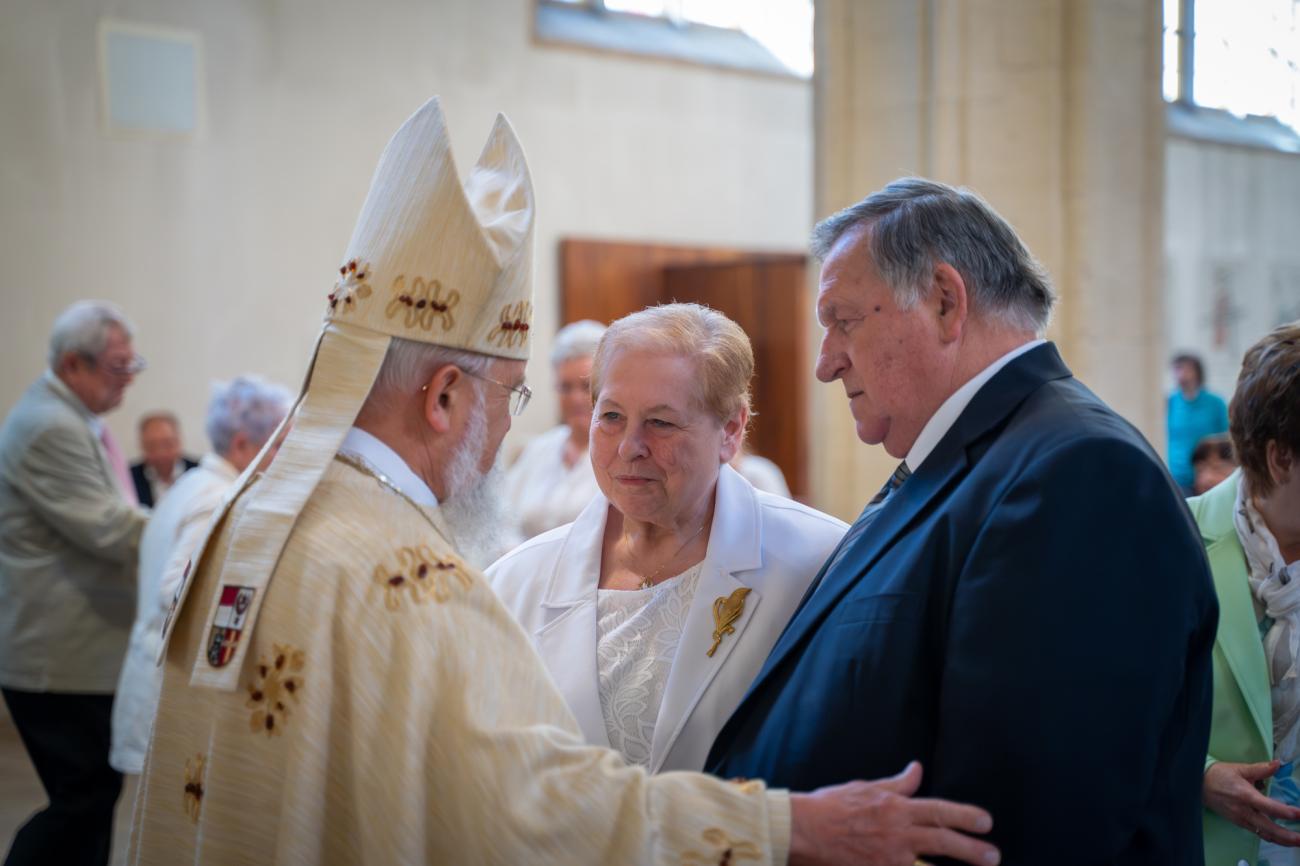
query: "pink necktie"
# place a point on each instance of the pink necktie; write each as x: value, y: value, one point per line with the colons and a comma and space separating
x: 118, y: 462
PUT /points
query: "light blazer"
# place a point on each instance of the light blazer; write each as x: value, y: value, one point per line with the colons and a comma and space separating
x: 1242, y: 726
x: 771, y: 545
x: 68, y: 543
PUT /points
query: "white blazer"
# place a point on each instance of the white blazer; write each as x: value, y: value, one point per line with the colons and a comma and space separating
x: 772, y: 545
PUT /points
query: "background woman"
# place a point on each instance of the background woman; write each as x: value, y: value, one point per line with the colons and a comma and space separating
x: 1251, y: 528
x: 551, y: 482
x: 656, y: 608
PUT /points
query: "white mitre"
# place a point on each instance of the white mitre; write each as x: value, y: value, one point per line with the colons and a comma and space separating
x: 430, y: 260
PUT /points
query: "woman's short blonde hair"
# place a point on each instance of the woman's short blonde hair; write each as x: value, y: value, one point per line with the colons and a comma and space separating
x: 718, y: 346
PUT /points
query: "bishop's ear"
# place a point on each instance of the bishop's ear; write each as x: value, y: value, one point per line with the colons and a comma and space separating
x: 446, y: 387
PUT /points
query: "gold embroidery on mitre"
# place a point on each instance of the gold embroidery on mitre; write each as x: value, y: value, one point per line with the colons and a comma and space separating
x: 747, y: 786
x: 193, y: 799
x: 421, y: 574
x: 351, y: 287
x: 726, y: 610
x: 725, y: 850
x: 513, y: 328
x: 276, y: 686
x: 424, y: 304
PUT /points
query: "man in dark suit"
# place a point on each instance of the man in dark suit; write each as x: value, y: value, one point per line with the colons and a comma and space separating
x: 1025, y: 608
x: 163, y: 463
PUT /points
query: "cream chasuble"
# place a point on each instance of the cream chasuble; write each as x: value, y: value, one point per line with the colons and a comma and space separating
x: 390, y: 711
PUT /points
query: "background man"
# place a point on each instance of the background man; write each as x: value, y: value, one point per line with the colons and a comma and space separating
x: 341, y: 687
x: 1192, y: 413
x: 242, y: 415
x: 163, y: 462
x: 1027, y: 610
x: 68, y: 539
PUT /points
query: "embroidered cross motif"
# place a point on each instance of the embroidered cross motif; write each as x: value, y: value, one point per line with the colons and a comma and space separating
x: 512, y: 330
x: 725, y: 850
x: 351, y: 287
x: 420, y: 574
x: 276, y: 687
x: 193, y: 799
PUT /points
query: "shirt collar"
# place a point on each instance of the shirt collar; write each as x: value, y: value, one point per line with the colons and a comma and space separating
x: 59, y: 387
x: 360, y: 445
x: 950, y: 410
x: 215, y: 463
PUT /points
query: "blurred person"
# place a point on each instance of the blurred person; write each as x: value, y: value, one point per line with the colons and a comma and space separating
x: 163, y: 462
x: 552, y: 482
x: 764, y: 474
x: 655, y: 609
x: 242, y: 416
x: 1191, y: 414
x: 341, y: 687
x: 69, y: 533
x: 1213, y: 461
x: 1250, y: 525
x: 1035, y: 631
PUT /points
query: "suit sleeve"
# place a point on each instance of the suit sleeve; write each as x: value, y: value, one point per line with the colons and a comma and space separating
x: 1077, y: 671
x: 59, y: 476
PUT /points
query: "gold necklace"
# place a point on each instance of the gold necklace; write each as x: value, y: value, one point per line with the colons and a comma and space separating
x: 648, y: 582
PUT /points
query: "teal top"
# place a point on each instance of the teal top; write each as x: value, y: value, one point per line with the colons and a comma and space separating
x: 1190, y: 421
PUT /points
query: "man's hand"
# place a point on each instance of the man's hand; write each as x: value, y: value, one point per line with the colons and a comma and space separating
x: 879, y: 824
x: 1230, y: 790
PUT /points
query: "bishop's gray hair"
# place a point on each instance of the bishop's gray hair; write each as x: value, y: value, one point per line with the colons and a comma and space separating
x: 914, y: 223
x: 409, y: 364
x: 83, y: 328
x: 247, y: 405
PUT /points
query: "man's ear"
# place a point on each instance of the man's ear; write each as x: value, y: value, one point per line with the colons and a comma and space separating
x: 445, y: 387
x: 948, y: 301
x: 733, y: 434
x: 1281, y: 462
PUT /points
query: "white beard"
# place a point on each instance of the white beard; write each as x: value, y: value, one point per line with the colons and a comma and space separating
x: 474, y: 509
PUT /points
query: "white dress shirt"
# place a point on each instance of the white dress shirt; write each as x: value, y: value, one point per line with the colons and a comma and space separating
x: 376, y: 455
x: 950, y: 410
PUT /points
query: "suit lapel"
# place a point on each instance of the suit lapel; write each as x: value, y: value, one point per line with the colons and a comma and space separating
x: 568, y: 638
x: 940, y: 472
x: 735, y: 546
x: 693, y: 669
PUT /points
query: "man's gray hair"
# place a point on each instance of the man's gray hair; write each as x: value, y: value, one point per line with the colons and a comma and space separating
x: 247, y: 405
x: 576, y: 340
x: 83, y: 328
x: 409, y: 364
x: 914, y: 223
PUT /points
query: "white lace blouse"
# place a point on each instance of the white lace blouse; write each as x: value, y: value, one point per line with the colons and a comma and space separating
x: 637, y: 636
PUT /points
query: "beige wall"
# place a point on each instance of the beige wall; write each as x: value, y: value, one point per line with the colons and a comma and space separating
x: 1050, y: 109
x: 1232, y: 257
x: 222, y: 247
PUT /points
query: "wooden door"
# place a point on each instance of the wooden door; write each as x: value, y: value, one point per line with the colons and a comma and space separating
x: 763, y: 292
x: 766, y: 299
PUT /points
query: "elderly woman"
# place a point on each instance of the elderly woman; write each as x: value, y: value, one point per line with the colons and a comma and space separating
x: 656, y: 608
x: 1251, y: 528
x: 552, y: 482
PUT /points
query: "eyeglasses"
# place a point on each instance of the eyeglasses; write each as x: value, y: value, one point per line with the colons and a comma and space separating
x: 519, y: 396
x: 136, y: 364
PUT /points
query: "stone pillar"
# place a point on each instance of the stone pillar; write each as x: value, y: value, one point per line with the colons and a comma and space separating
x: 1050, y: 109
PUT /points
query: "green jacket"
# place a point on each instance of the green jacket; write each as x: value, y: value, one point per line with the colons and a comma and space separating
x: 1242, y: 729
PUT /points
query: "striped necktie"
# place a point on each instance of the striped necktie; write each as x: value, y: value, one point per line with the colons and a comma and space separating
x: 901, y: 474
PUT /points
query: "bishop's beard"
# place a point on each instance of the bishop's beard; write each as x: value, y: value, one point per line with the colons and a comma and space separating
x: 474, y: 509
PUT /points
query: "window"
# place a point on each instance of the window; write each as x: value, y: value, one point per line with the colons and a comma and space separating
x: 1240, y: 57
x: 759, y: 35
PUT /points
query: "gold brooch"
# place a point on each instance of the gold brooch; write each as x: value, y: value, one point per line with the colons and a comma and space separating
x: 725, y: 612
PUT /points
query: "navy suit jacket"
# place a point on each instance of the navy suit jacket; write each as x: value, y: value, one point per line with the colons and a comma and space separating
x: 1031, y: 616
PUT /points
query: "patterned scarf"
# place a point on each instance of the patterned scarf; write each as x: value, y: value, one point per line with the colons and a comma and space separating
x: 1276, y: 586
